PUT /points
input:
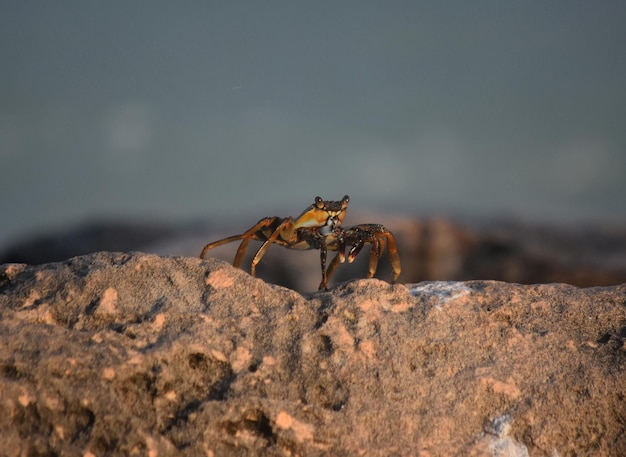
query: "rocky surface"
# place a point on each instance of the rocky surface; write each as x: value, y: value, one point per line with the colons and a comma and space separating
x: 134, y: 354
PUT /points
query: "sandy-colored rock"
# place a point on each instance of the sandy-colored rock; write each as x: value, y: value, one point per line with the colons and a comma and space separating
x: 134, y: 354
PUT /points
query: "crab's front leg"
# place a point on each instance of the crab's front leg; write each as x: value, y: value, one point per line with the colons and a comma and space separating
x: 323, y: 252
x: 376, y: 235
x: 316, y: 239
x: 338, y: 243
x: 375, y: 252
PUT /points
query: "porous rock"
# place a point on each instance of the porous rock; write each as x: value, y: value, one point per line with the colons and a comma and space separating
x: 135, y: 354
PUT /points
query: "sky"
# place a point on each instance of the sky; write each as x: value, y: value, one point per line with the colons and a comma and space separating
x: 223, y: 111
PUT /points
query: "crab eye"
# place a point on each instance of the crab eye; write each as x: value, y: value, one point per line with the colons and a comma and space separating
x: 319, y: 202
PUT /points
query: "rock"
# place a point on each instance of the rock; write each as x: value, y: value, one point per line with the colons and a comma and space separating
x: 106, y: 235
x: 430, y: 249
x: 135, y: 354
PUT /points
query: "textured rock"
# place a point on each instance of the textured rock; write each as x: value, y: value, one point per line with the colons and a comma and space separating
x: 133, y: 354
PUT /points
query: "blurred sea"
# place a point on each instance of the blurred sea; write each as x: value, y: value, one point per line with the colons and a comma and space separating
x: 226, y: 112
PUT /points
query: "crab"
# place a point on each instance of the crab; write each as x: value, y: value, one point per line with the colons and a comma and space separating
x: 322, y: 216
x: 318, y: 227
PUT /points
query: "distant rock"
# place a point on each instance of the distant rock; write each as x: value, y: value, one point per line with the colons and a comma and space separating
x: 87, y: 238
x: 430, y: 249
x: 135, y: 354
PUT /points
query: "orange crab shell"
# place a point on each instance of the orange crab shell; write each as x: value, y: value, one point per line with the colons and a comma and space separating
x: 321, y: 214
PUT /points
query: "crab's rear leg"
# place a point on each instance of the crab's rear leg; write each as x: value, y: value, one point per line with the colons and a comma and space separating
x: 217, y: 243
x: 255, y: 233
x: 285, y: 230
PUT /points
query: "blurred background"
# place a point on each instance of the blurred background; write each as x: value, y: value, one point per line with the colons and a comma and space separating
x: 219, y: 113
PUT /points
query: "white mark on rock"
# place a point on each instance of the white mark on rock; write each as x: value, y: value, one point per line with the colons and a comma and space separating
x: 501, y: 444
x: 445, y: 291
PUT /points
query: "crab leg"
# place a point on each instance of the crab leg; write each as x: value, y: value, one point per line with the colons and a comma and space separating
x: 394, y: 258
x: 251, y: 233
x: 285, y: 229
x: 323, y: 253
x: 331, y: 269
x: 217, y: 243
